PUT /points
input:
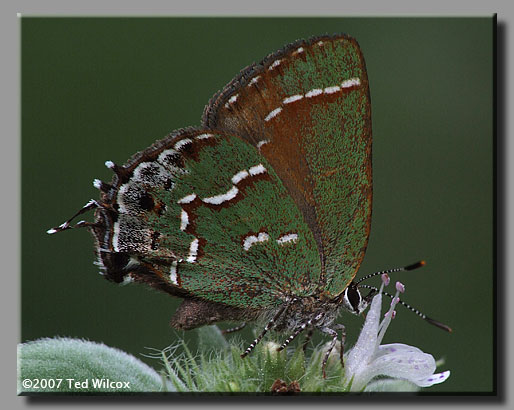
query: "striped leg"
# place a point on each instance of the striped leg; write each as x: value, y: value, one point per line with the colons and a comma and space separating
x: 270, y: 324
x: 296, y: 333
x: 332, y: 333
x: 234, y: 329
x: 343, y: 339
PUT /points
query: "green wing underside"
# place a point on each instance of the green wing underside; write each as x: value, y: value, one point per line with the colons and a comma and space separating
x: 277, y: 201
x: 308, y: 108
x: 230, y: 232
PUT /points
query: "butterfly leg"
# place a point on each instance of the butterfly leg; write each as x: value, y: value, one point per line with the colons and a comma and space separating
x: 307, y: 339
x: 296, y: 333
x: 333, y: 333
x: 343, y: 340
x: 234, y: 329
x: 270, y: 324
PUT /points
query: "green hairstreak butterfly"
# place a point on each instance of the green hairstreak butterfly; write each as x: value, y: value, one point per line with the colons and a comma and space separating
x: 261, y: 213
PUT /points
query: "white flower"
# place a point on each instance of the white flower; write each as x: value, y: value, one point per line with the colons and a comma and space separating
x: 368, y: 359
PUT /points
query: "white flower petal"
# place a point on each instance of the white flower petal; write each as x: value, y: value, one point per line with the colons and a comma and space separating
x: 396, y: 348
x: 359, y: 357
x: 402, y: 362
x: 433, y: 379
x: 391, y: 385
x: 365, y: 347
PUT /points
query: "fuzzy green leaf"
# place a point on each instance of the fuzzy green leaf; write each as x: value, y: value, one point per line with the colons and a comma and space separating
x: 63, y: 365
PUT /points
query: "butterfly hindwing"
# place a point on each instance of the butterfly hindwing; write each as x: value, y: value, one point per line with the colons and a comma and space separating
x: 307, y: 110
x: 204, y: 214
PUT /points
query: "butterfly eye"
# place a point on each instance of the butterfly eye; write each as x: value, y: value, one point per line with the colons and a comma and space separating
x: 353, y: 299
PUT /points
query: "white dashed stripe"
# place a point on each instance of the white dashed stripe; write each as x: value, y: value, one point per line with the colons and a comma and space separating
x: 239, y: 176
x: 193, y: 251
x: 257, y: 169
x: 187, y: 199
x: 219, y: 199
x: 276, y: 63
x: 204, y: 136
x: 292, y: 237
x: 115, y: 236
x: 231, y: 100
x: 331, y: 90
x: 293, y: 98
x: 254, y: 80
x: 273, y: 114
x: 184, y: 220
x: 173, y: 273
x: 182, y: 143
x: 253, y: 239
x: 261, y: 143
x: 227, y: 196
x: 351, y: 82
x: 313, y: 93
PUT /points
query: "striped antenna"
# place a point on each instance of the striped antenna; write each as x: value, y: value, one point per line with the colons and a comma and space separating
x: 412, y: 309
x: 394, y: 270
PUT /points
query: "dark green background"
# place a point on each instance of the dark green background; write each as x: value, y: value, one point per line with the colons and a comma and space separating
x: 102, y: 89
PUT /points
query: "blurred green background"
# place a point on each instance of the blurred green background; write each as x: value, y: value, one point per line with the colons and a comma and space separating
x: 96, y: 89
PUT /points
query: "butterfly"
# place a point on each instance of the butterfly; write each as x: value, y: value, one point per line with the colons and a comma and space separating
x: 263, y: 212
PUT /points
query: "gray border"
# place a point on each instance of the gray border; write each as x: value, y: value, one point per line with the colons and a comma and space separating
x: 10, y: 150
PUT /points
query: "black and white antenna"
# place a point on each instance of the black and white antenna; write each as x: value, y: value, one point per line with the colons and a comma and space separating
x: 394, y: 270
x: 412, y: 309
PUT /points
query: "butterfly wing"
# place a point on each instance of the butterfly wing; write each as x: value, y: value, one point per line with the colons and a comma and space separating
x: 307, y: 110
x: 202, y: 214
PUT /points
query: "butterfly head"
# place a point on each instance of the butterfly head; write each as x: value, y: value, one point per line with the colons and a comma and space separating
x: 354, y: 301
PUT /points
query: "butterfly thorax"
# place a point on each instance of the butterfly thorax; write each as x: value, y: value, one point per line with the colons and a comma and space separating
x: 319, y: 311
x: 311, y: 309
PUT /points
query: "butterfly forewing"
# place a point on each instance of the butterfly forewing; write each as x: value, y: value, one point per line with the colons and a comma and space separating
x: 205, y: 214
x: 306, y: 109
